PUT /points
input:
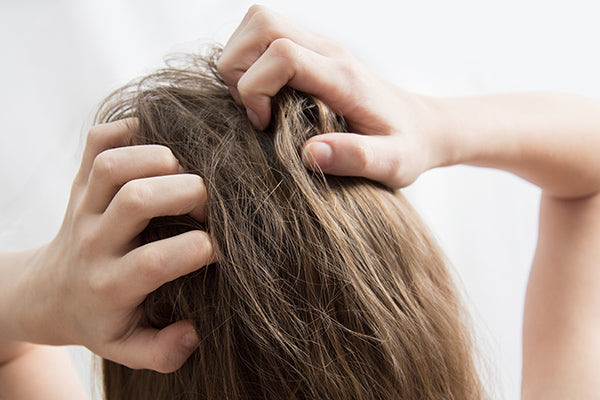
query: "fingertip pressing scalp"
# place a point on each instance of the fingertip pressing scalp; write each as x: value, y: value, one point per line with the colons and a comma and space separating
x: 190, y: 340
x: 317, y: 155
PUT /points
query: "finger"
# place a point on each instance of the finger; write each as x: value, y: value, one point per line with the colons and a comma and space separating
x: 140, y: 200
x: 348, y: 154
x: 114, y: 167
x: 259, y: 28
x: 287, y: 63
x: 162, y: 350
x: 251, y: 11
x: 106, y: 136
x: 148, y: 267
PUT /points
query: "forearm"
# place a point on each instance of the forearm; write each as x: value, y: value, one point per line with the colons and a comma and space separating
x: 28, y: 370
x: 552, y: 140
x: 22, y: 304
x: 40, y: 372
x: 561, y: 345
x: 13, y: 265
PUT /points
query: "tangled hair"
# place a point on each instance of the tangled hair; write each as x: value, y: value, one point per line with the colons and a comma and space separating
x: 326, y: 287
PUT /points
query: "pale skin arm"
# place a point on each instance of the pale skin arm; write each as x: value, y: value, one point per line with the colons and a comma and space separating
x: 27, y: 370
x: 552, y: 140
x: 85, y: 287
x: 34, y: 371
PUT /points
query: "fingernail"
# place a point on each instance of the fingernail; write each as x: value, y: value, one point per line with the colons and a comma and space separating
x: 190, y: 340
x: 180, y: 169
x: 254, y: 118
x: 317, y: 155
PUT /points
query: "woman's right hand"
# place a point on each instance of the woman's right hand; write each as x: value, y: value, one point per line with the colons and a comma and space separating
x: 394, y: 137
x: 550, y: 139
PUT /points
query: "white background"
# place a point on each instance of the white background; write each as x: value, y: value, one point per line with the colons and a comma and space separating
x: 59, y: 59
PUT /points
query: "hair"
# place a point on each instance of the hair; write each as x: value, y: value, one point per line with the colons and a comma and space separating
x: 326, y: 287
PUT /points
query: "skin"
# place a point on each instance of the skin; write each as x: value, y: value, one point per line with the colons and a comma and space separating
x: 85, y: 286
x: 548, y: 139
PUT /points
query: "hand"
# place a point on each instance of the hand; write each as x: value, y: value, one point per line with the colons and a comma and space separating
x: 395, y: 131
x: 86, y: 286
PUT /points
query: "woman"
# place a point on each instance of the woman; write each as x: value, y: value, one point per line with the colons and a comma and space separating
x: 547, y: 139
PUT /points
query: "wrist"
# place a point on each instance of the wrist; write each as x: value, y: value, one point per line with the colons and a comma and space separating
x: 12, y: 341
x: 41, y: 317
x: 438, y: 128
x: 466, y: 131
x: 26, y: 307
x: 14, y: 293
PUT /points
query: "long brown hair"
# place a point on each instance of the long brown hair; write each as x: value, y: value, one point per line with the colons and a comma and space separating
x: 326, y: 287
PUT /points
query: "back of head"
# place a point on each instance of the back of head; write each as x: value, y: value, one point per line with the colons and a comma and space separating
x: 325, y: 287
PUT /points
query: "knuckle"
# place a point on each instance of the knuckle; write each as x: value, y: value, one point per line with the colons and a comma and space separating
x: 89, y: 243
x: 363, y: 157
x: 283, y: 47
x: 246, y: 88
x: 165, y: 159
x: 201, y: 245
x: 396, y: 175
x: 223, y: 65
x: 133, y: 196
x: 94, y: 134
x: 226, y: 65
x: 348, y: 69
x: 196, y: 188
x: 353, y: 80
x: 104, y: 165
x: 254, y: 8
x: 338, y: 50
x: 151, y: 263
x: 100, y: 284
x: 198, y: 185
x: 231, y: 65
x: 264, y: 20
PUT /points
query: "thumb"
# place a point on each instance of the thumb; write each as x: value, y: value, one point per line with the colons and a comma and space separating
x: 350, y: 154
x: 163, y: 350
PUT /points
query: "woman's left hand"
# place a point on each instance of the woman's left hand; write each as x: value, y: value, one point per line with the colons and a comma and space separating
x: 86, y: 286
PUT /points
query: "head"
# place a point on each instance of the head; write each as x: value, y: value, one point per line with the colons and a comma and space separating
x: 325, y: 287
